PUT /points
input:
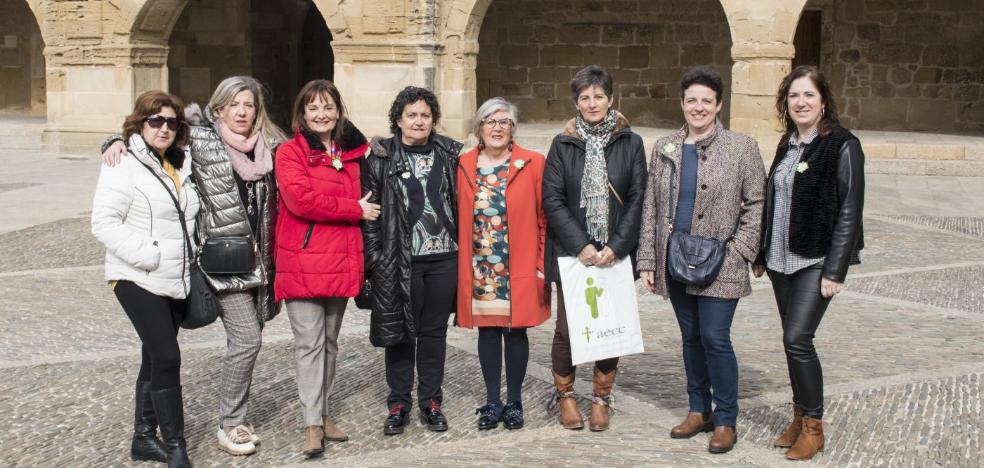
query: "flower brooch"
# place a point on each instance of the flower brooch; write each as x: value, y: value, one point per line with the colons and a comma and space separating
x: 520, y: 164
x: 802, y: 167
x: 336, y: 162
x: 669, y: 147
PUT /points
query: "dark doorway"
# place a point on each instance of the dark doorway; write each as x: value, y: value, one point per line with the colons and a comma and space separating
x: 808, y: 37
x: 22, y: 75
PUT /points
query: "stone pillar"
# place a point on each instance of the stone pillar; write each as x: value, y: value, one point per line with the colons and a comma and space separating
x: 458, y: 87
x: 369, y: 74
x: 762, y: 49
x: 91, y: 90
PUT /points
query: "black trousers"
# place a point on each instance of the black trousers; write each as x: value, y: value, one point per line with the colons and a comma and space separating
x: 801, y: 307
x: 433, y: 285
x: 517, y: 344
x: 156, y: 320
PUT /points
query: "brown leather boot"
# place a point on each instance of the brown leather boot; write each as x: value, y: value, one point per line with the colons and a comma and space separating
x: 693, y: 424
x: 570, y: 416
x: 332, y: 432
x: 314, y: 443
x: 602, y: 403
x: 723, y: 439
x: 810, y: 440
x: 788, y: 438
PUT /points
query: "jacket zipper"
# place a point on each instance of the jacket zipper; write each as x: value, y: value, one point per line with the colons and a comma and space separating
x: 307, y: 235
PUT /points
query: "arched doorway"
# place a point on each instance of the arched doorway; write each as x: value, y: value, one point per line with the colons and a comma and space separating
x: 528, y: 52
x: 22, y: 67
x: 282, y: 43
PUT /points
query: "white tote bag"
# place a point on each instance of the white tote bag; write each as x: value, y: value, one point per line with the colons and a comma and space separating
x: 602, y: 312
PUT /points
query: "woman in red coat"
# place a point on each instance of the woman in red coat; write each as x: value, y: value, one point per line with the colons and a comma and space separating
x: 500, y: 279
x: 319, y: 244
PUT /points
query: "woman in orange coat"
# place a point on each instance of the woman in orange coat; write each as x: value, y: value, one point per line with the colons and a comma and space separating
x: 500, y: 278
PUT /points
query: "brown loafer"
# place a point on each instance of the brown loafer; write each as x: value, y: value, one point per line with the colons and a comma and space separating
x: 723, y: 439
x: 694, y: 424
x: 333, y: 433
x: 314, y: 443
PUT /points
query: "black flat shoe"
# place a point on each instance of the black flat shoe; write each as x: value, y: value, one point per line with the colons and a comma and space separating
x: 489, y: 416
x: 432, y: 417
x: 512, y: 415
x: 396, y: 420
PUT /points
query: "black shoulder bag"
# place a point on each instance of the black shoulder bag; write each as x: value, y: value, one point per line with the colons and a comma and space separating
x: 693, y: 260
x: 203, y: 306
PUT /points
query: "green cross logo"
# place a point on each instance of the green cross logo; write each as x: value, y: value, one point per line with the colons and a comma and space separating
x: 587, y: 334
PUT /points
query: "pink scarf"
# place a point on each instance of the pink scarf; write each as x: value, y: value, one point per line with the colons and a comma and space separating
x: 237, y: 146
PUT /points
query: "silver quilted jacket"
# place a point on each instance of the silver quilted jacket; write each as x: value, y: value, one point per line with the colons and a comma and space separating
x: 224, y: 214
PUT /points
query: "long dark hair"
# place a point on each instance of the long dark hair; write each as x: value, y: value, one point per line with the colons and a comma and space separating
x: 828, y: 119
x: 311, y: 91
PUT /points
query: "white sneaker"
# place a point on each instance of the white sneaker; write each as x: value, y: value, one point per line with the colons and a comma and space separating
x: 248, y: 429
x: 236, y: 441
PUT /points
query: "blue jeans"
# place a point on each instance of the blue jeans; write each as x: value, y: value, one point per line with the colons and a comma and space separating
x: 705, y: 325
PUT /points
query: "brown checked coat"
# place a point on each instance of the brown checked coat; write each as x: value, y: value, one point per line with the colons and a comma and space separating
x: 730, y: 195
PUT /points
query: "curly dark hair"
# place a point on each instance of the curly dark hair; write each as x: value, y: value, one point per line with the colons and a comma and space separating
x: 150, y: 103
x: 702, y: 75
x: 410, y: 95
x: 828, y: 119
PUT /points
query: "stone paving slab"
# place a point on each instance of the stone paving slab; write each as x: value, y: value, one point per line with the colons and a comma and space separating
x: 63, y: 243
x: 951, y: 288
x: 933, y: 423
x: 962, y: 224
x: 889, y: 245
x: 42, y: 407
x: 907, y: 339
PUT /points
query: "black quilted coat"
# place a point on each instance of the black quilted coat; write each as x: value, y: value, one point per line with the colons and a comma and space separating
x: 387, y: 239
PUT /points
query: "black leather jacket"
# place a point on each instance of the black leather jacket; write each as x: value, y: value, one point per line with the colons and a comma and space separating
x: 825, y: 222
x: 567, y: 235
x: 387, y: 239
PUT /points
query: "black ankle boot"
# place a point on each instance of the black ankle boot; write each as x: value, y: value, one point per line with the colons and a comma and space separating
x: 169, y: 407
x: 145, y: 445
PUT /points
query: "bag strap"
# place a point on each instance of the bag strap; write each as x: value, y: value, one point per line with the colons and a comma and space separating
x: 615, y: 192
x: 177, y: 206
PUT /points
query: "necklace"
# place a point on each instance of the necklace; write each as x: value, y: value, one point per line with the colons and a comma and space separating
x: 250, y: 197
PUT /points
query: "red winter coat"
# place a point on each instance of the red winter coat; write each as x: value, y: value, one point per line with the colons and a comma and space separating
x: 530, y: 306
x: 318, y: 241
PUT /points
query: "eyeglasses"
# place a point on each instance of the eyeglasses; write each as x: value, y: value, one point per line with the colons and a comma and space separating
x: 504, y: 123
x: 157, y: 121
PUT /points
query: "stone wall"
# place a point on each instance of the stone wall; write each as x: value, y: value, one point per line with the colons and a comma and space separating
x: 22, y: 78
x: 906, y: 65
x: 530, y: 50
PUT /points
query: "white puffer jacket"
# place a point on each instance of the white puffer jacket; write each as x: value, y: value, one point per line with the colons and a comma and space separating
x: 135, y: 218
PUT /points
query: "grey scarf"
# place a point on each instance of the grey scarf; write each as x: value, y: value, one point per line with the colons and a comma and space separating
x: 594, y: 182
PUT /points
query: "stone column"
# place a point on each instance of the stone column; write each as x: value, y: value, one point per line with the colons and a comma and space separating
x: 458, y: 92
x: 91, y: 89
x: 762, y: 50
x: 369, y: 74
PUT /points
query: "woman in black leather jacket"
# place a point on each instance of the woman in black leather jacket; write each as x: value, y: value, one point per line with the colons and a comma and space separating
x: 411, y: 254
x: 811, y: 233
x: 593, y: 186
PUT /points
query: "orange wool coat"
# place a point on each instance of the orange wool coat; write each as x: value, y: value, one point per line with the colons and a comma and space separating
x: 530, y: 306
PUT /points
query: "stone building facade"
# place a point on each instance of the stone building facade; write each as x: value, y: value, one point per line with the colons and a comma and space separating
x: 911, y: 64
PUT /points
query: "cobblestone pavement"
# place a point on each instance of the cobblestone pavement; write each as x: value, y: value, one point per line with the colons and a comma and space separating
x: 903, y: 362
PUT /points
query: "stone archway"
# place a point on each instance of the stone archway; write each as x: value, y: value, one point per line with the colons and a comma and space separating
x: 22, y: 62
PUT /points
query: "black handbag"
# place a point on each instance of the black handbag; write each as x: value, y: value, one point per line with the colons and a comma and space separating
x: 203, y: 306
x: 227, y: 255
x: 693, y: 260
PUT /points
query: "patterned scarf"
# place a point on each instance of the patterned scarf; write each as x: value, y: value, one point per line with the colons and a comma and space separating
x: 594, y: 182
x: 237, y: 146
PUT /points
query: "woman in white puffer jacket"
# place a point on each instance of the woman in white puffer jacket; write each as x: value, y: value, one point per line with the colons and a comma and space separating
x: 147, y: 261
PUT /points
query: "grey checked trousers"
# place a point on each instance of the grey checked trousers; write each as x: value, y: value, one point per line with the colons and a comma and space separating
x: 315, y: 323
x: 242, y: 326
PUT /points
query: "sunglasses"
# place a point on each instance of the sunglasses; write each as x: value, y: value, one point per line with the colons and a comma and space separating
x: 157, y: 121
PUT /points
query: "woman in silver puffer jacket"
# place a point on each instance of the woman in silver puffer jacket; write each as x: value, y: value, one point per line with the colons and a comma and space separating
x: 232, y: 162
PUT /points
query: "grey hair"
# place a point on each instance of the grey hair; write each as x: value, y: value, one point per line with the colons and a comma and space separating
x: 490, y: 107
x: 226, y: 92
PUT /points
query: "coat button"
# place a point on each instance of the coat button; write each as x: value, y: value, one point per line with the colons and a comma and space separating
x: 703, y: 186
x: 703, y: 158
x: 700, y: 216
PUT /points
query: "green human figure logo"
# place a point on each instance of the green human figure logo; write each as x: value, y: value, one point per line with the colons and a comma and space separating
x: 591, y: 295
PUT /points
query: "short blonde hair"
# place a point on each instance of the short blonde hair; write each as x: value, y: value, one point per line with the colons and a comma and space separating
x: 490, y: 107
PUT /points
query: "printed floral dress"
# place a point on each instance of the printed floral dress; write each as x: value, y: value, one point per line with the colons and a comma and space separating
x: 490, y: 247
